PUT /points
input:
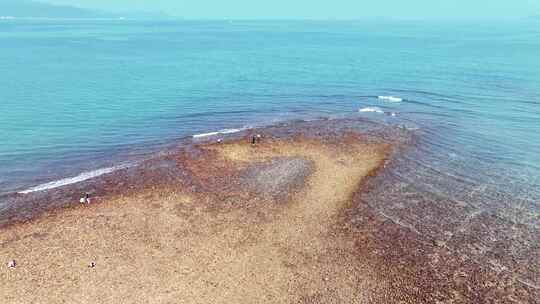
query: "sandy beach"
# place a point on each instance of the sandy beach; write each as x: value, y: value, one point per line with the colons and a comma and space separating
x: 263, y: 226
x: 242, y: 223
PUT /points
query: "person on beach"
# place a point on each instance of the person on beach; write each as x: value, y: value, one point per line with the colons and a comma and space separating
x: 85, y: 199
x: 256, y: 139
x: 12, y: 264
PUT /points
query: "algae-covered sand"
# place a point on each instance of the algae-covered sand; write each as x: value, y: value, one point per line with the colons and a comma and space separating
x: 248, y: 224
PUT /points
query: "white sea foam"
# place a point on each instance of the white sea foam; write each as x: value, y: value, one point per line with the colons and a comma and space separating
x: 390, y: 98
x: 371, y: 109
x: 205, y: 134
x: 73, y: 180
x: 220, y: 132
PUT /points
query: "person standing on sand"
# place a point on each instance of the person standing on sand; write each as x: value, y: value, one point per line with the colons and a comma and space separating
x: 256, y: 139
x: 12, y: 264
x: 85, y: 199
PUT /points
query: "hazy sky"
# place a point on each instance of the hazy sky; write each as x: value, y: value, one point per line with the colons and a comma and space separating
x: 300, y: 9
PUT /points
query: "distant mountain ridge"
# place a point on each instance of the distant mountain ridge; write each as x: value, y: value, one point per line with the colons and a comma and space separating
x: 27, y: 8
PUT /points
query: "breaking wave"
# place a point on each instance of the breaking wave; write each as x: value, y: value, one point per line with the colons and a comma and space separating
x: 220, y: 132
x: 73, y: 180
x: 371, y: 109
x: 390, y: 98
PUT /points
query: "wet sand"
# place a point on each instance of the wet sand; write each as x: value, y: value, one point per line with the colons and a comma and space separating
x: 279, y: 222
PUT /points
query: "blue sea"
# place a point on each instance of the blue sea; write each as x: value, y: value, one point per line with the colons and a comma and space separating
x: 83, y: 95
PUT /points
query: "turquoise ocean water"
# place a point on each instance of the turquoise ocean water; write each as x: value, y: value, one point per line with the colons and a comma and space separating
x: 80, y: 95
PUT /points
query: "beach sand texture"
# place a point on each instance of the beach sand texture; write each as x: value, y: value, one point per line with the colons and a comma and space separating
x: 256, y: 224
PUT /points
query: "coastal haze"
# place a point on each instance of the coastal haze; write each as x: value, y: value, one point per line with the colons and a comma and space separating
x: 94, y: 94
x: 28, y: 9
x: 304, y: 9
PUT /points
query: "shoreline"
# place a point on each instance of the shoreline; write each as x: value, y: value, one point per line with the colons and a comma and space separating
x: 66, y: 191
x: 324, y: 254
x: 96, y: 173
